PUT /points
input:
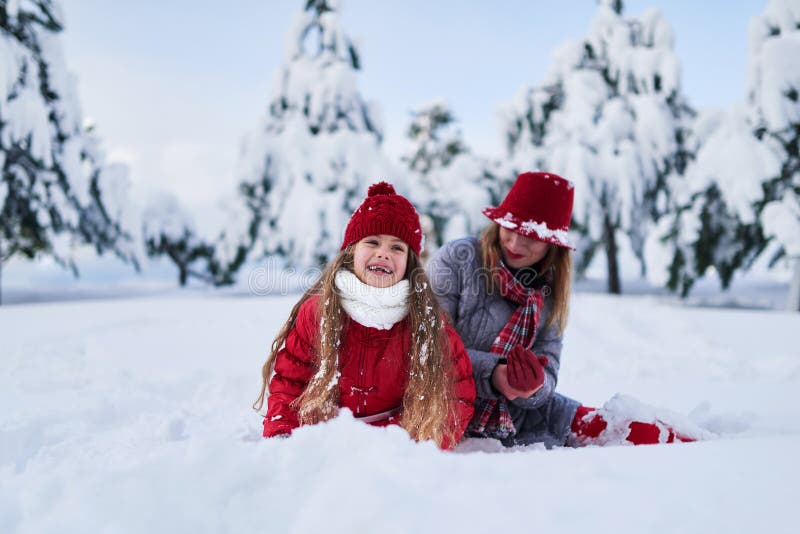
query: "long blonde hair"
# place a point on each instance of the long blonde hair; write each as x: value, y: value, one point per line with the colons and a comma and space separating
x: 428, y: 407
x: 558, y: 260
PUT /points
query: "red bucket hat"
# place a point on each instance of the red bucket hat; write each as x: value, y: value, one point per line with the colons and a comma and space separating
x: 539, y: 205
x: 385, y: 212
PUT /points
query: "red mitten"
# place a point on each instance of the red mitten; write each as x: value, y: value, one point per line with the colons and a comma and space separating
x: 525, y: 369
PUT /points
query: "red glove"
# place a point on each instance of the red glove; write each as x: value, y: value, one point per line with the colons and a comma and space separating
x: 525, y: 369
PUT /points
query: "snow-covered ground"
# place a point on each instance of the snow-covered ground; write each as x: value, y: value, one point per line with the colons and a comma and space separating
x: 134, y: 416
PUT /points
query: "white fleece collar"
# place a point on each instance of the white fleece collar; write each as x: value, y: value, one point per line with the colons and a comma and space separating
x: 373, y: 307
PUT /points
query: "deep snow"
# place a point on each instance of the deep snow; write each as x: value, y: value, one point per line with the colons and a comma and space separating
x: 134, y: 416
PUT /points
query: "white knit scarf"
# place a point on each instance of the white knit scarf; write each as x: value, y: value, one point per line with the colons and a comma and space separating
x: 373, y: 307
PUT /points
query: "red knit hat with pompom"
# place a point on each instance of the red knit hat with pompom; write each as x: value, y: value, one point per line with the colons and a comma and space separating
x: 385, y: 212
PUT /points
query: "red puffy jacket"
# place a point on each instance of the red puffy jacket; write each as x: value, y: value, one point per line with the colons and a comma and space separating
x: 374, y: 368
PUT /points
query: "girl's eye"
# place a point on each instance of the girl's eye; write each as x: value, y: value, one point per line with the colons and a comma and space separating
x: 398, y: 248
x: 372, y: 242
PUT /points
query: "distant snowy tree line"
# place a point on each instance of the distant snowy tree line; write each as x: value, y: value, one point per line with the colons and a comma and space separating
x: 685, y: 191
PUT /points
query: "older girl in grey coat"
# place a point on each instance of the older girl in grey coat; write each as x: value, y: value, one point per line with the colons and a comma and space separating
x: 507, y: 295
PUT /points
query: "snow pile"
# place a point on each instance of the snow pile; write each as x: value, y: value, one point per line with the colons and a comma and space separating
x: 622, y: 410
x: 134, y: 416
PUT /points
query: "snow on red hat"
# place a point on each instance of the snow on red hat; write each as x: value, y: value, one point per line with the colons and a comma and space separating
x: 539, y: 205
x: 385, y: 212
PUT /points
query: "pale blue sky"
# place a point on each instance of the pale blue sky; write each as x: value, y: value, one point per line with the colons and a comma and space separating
x: 173, y: 85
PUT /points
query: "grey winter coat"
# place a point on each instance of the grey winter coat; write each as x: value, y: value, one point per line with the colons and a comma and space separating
x: 459, y: 282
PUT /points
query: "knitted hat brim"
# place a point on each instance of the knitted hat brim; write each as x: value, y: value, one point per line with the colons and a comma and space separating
x: 532, y: 229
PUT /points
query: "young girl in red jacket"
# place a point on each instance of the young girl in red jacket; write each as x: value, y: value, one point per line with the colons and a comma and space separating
x: 370, y: 336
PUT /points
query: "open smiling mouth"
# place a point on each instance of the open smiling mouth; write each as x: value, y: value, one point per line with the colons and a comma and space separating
x: 378, y: 269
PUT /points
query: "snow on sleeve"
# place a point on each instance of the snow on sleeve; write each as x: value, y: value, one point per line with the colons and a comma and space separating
x: 621, y: 410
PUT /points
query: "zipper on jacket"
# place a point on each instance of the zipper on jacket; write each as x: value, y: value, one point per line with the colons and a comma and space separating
x: 368, y: 342
x: 362, y: 389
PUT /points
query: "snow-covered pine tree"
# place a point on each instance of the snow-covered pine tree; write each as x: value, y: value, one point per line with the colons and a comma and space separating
x: 169, y: 230
x: 435, y: 141
x: 774, y: 99
x: 712, y: 221
x: 449, y: 183
x: 56, y: 191
x: 309, y: 164
x: 610, y: 117
x: 744, y: 159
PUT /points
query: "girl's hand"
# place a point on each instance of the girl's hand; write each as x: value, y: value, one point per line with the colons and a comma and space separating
x: 500, y: 382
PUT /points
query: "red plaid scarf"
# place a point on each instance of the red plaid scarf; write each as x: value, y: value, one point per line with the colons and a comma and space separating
x: 491, y: 418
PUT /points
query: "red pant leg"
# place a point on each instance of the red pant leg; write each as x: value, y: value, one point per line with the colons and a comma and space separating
x: 588, y: 424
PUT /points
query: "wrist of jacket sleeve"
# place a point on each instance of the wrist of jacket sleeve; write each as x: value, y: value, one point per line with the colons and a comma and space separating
x: 496, y: 391
x: 483, y: 365
x: 538, y: 399
x: 274, y: 432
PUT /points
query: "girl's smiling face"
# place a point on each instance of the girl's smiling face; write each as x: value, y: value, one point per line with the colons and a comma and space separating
x: 380, y: 260
x: 520, y: 251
